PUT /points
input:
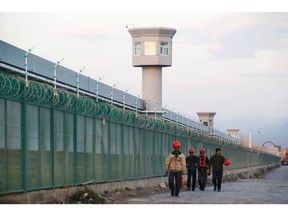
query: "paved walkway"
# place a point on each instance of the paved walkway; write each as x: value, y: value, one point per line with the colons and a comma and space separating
x: 273, y: 189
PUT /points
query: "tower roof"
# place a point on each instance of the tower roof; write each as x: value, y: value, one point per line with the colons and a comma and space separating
x: 206, y: 114
x: 152, y: 31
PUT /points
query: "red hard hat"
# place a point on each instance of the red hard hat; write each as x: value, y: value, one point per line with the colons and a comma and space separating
x: 191, y: 150
x: 202, y: 150
x: 176, y: 144
x: 227, y: 162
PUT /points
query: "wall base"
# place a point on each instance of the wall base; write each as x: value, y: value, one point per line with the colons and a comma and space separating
x: 61, y: 195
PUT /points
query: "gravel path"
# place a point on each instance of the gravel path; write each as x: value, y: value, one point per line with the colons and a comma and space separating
x: 272, y: 189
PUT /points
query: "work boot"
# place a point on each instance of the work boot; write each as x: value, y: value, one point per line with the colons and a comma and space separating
x: 188, y: 188
x: 172, y: 193
x: 214, y: 188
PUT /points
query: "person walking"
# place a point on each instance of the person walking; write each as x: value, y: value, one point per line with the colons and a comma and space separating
x: 175, y: 163
x: 191, y: 165
x: 202, y: 169
x: 217, y: 161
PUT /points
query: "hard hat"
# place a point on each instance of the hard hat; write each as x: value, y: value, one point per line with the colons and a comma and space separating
x: 191, y: 150
x: 227, y: 162
x: 202, y: 150
x: 176, y: 144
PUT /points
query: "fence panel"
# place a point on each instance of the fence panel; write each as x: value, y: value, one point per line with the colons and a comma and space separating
x: 69, y: 149
x: 33, y: 150
x: 98, y: 150
x: 59, y: 154
x: 3, y: 148
x: 14, y: 149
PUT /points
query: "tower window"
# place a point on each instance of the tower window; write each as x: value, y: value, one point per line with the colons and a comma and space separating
x: 150, y: 47
x: 137, y: 49
x: 164, y: 48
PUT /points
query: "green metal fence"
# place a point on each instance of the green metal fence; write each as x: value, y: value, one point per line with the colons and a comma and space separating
x: 53, y: 138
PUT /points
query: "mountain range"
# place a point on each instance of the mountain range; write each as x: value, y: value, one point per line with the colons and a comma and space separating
x: 274, y: 130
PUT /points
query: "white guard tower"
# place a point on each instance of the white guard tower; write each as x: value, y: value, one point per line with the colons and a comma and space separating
x: 233, y: 132
x: 152, y: 50
x: 207, y: 118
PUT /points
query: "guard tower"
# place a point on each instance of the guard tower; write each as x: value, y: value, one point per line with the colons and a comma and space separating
x: 233, y: 132
x: 207, y: 118
x: 152, y: 50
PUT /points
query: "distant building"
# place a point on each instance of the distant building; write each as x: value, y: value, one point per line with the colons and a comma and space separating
x: 233, y: 132
x: 273, y: 150
x: 284, y: 154
x: 207, y: 118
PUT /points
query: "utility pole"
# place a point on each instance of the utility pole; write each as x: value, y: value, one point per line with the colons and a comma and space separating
x: 250, y: 136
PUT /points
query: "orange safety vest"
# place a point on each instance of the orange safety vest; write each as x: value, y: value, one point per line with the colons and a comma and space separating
x: 202, y: 161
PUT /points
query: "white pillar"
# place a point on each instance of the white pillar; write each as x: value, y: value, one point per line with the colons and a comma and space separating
x: 152, y: 86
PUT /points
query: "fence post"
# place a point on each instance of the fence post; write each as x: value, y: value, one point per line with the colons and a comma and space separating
x: 122, y: 149
x: 85, y: 148
x: 52, y: 147
x: 109, y: 147
x: 75, y: 147
x: 135, y: 152
x: 94, y: 147
x: 6, y: 145
x: 24, y: 138
x: 40, y: 147
x: 65, y: 152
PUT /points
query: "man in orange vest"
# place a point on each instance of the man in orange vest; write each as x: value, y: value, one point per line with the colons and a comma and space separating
x: 175, y: 163
x: 202, y: 169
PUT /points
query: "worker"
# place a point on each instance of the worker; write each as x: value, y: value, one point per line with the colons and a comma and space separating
x: 191, y: 165
x: 175, y: 163
x: 217, y: 161
x: 202, y: 169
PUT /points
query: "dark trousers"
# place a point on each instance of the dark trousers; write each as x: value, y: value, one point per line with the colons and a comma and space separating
x: 202, y: 179
x: 175, y: 189
x: 217, y: 179
x: 193, y: 174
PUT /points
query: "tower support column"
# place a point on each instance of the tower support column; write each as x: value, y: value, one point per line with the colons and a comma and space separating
x: 152, y: 87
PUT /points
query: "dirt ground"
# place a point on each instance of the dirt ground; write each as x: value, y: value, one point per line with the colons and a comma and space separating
x: 120, y: 196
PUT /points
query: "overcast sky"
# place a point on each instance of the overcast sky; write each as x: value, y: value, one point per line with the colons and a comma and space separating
x: 235, y: 64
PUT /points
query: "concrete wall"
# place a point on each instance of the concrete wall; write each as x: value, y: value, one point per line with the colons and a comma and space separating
x: 13, y: 56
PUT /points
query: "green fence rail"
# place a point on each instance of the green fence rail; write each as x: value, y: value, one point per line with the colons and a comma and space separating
x: 51, y: 139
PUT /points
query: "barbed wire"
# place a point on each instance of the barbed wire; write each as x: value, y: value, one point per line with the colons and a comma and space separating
x: 13, y: 86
